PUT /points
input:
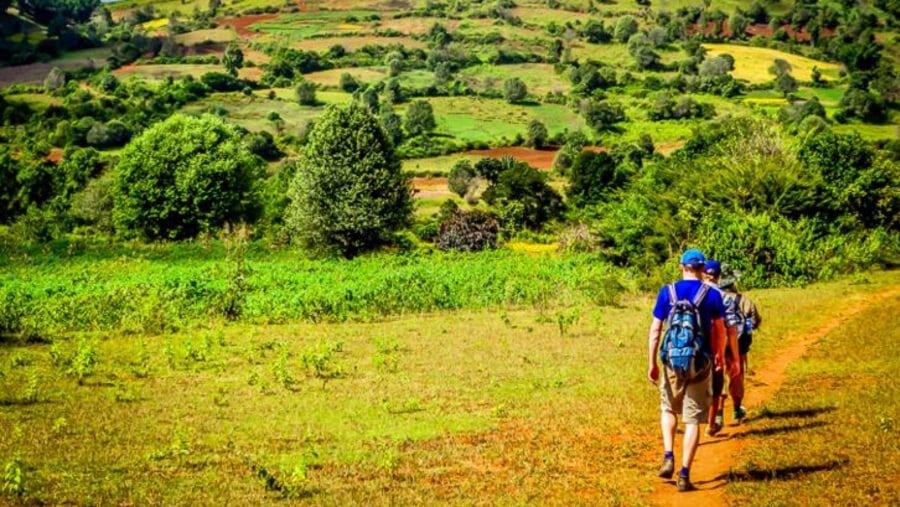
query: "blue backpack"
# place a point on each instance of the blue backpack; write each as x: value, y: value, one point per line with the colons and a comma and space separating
x: 682, y: 346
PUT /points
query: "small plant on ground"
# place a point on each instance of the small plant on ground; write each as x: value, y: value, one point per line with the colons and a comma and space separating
x: 320, y: 361
x: 14, y: 477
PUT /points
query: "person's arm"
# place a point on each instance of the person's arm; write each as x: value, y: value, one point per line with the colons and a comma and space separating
x: 717, y: 342
x: 652, y: 346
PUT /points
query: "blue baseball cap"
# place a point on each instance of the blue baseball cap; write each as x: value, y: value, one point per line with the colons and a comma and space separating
x: 713, y: 268
x: 693, y: 258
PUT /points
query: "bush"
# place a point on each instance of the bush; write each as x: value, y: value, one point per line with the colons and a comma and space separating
x: 184, y: 176
x: 468, y: 231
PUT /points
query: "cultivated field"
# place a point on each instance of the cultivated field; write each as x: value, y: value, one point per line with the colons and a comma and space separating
x: 752, y: 64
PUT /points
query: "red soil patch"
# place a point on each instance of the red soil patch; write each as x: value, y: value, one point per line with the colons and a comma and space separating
x: 125, y: 68
x: 241, y: 24
x: 540, y: 159
x: 55, y: 156
x: 543, y: 159
x: 760, y: 29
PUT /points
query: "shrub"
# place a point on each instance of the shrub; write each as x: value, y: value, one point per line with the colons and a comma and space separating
x: 468, y: 231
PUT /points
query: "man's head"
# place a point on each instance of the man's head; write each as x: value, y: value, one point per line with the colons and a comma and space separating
x: 712, y: 270
x: 692, y: 262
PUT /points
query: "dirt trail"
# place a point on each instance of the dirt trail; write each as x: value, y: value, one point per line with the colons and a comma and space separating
x: 716, y: 455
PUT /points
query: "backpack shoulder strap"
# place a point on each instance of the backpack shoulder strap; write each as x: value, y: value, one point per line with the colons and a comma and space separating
x: 701, y: 294
x: 737, y: 301
x: 673, y: 297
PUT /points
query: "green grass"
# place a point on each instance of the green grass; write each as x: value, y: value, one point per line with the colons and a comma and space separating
x: 158, y: 72
x: 252, y: 112
x: 490, y: 120
x: 552, y: 400
x: 539, y: 78
x: 435, y: 164
x: 332, y: 77
x: 838, y: 392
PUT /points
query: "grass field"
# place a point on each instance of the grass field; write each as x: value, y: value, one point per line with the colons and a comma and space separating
x: 352, y: 43
x: 539, y: 78
x: 332, y: 77
x: 252, y: 112
x: 489, y: 120
x: 837, y: 393
x: 752, y: 64
x: 516, y: 405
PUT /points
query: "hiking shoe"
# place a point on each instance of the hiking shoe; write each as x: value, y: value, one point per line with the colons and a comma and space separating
x: 684, y: 484
x: 713, y: 429
x: 667, y: 469
x: 739, y: 414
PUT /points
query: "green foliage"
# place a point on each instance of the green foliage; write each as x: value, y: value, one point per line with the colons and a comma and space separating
x: 306, y: 93
x: 461, y: 179
x: 468, y: 231
x: 602, y: 115
x: 524, y: 197
x: 349, y: 192
x: 14, y: 477
x: 184, y: 176
x: 514, y: 90
x: 665, y: 107
x: 233, y: 59
x: 348, y: 83
x: 593, y: 176
x: 419, y: 118
x: 626, y: 26
x: 537, y: 134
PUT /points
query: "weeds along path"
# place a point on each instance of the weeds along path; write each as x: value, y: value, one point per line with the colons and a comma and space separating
x: 717, y: 455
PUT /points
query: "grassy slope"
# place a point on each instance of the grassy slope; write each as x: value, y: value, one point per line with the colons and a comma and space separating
x: 829, y: 437
x: 184, y: 419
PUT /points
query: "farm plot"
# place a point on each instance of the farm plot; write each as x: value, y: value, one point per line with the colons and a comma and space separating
x: 752, y: 64
x: 539, y: 78
x: 352, y: 43
x: 491, y: 120
x: 332, y: 77
x: 255, y: 113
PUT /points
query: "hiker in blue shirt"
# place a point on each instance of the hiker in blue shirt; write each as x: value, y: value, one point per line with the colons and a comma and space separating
x: 690, y: 351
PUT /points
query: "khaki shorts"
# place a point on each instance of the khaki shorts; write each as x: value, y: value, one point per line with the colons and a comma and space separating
x: 689, y: 400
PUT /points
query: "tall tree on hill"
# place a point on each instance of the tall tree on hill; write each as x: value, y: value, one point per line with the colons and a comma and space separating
x: 784, y: 81
x: 233, y: 59
x: 349, y: 192
x: 67, y: 11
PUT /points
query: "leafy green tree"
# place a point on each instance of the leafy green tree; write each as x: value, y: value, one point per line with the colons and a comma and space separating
x: 461, y: 178
x: 490, y: 168
x: 392, y: 125
x: 306, y: 93
x: 525, y: 189
x: 393, y: 92
x: 537, y: 134
x: 233, y: 59
x: 602, y: 116
x: 9, y: 169
x: 419, y: 118
x: 183, y: 176
x: 514, y: 90
x: 369, y: 98
x: 349, y: 192
x: 738, y: 24
x: 591, y: 177
x: 784, y: 81
x: 68, y: 12
x: 642, y: 51
x: 626, y: 26
x: 348, y: 83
